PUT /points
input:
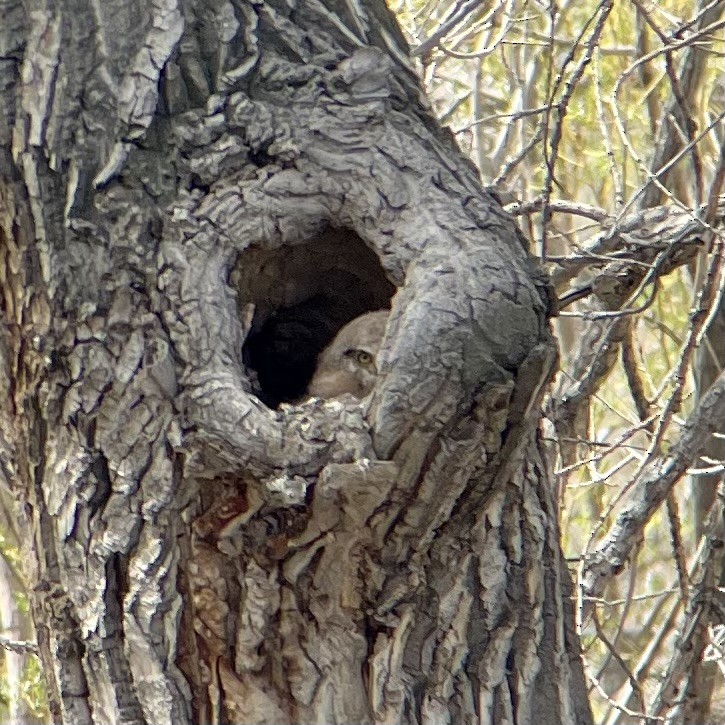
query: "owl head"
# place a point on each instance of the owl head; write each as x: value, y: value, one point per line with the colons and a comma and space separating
x: 348, y: 363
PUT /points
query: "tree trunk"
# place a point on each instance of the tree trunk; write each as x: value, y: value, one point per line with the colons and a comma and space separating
x: 193, y: 200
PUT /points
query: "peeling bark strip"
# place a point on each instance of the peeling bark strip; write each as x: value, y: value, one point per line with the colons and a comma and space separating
x: 197, y: 193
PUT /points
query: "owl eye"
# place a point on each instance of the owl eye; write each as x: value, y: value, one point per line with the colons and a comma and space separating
x: 360, y: 356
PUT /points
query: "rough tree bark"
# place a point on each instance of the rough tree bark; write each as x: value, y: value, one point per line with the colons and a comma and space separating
x: 192, y: 200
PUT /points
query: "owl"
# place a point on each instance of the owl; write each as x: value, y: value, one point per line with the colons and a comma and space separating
x: 348, y: 363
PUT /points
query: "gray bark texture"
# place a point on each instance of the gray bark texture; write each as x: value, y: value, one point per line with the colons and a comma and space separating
x: 193, y: 199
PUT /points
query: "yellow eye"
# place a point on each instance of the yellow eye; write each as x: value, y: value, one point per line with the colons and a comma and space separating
x: 360, y: 356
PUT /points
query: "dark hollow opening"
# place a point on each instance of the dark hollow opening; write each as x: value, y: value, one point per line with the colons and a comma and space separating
x: 302, y: 296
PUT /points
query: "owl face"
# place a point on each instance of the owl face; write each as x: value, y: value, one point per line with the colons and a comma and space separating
x: 347, y: 365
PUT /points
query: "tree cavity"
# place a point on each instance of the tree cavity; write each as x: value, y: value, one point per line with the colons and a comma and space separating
x: 299, y: 297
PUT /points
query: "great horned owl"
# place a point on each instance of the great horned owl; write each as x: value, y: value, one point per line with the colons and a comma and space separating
x: 347, y: 364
